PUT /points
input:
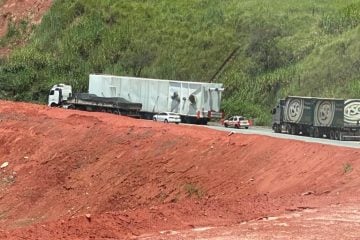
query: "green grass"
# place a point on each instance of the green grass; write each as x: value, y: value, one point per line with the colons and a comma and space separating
x: 286, y: 48
x: 193, y: 190
x: 347, y: 168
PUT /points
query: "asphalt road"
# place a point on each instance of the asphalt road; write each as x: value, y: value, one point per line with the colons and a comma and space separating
x: 270, y: 133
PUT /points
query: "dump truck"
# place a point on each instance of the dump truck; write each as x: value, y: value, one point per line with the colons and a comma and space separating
x: 332, y: 118
x: 61, y: 96
x: 195, y: 102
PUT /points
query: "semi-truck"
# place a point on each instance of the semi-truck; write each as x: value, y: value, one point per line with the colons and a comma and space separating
x: 195, y: 102
x: 332, y: 118
x: 61, y: 95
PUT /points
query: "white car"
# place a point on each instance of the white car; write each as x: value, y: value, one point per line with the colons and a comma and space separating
x: 237, y: 122
x: 167, y: 117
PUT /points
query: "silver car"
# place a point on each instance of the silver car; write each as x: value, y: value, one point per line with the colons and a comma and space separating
x: 237, y: 122
x: 167, y: 117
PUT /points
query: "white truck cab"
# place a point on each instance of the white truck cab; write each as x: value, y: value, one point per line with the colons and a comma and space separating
x: 59, y: 93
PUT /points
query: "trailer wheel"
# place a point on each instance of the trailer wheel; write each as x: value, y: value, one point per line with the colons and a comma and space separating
x: 332, y: 134
x: 316, y: 132
x: 337, y: 135
x: 311, y: 132
x: 117, y: 112
x: 288, y: 129
x: 293, y: 130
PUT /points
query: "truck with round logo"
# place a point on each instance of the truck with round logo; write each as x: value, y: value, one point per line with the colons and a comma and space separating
x: 332, y: 118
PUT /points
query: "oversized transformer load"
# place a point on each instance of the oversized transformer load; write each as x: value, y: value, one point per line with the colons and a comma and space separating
x: 318, y: 117
x: 196, y: 102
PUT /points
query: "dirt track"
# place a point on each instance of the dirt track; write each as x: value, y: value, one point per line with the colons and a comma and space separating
x: 137, y: 177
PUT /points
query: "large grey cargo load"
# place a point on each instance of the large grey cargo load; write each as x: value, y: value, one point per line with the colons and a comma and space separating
x: 299, y: 110
x: 186, y: 98
x: 352, y: 112
x: 333, y: 118
x: 329, y: 112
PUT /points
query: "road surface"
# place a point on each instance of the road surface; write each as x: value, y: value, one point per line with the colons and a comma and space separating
x: 268, y: 132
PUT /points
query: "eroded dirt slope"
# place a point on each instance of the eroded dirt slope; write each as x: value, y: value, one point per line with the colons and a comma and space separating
x: 132, y: 177
x: 15, y: 11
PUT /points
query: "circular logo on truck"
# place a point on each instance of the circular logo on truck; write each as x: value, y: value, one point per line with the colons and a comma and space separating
x: 324, y: 113
x: 352, y: 111
x: 295, y: 110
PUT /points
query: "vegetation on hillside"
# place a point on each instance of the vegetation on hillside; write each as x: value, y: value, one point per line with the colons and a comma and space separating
x: 281, y: 48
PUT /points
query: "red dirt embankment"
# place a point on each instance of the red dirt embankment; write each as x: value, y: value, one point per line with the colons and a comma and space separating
x: 132, y: 176
x: 17, y: 10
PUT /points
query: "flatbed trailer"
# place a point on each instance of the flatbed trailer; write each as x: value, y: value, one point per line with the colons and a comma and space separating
x: 61, y: 96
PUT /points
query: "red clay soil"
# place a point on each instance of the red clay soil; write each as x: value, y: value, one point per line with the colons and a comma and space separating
x: 82, y: 175
x: 17, y: 10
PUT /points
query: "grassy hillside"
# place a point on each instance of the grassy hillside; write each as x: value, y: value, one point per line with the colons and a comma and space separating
x: 281, y: 48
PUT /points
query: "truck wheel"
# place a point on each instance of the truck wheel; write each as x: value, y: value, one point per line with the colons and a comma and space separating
x: 237, y: 126
x: 288, y: 129
x: 225, y: 125
x: 274, y: 127
x: 316, y: 132
x: 154, y: 119
x: 277, y: 128
x: 311, y: 132
x: 337, y: 135
x: 293, y: 130
x: 166, y: 121
x: 332, y: 134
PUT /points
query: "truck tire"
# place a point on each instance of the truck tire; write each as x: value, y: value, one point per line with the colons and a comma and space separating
x: 288, y: 129
x: 316, y: 132
x: 311, y: 132
x: 293, y: 130
x: 332, y: 134
x: 337, y: 135
x: 225, y: 125
x: 166, y: 121
x: 276, y: 128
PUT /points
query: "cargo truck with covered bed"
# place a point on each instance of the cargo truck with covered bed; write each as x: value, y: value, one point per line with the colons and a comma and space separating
x: 61, y: 95
x: 337, y: 119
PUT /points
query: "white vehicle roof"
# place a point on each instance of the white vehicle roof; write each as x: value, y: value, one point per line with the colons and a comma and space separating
x: 171, y: 113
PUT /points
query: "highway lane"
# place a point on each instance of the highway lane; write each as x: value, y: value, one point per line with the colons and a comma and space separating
x: 268, y: 132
